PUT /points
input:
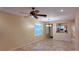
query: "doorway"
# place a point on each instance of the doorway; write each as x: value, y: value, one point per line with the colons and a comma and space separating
x: 49, y: 30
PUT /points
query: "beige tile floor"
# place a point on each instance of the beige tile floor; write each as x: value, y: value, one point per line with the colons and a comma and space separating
x: 49, y: 45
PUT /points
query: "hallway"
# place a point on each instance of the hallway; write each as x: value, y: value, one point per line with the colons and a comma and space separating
x: 49, y: 45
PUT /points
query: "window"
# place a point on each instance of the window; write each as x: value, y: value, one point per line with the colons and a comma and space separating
x: 38, y: 29
x: 61, y: 28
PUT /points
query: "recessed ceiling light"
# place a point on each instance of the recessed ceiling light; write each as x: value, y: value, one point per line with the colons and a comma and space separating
x: 61, y: 10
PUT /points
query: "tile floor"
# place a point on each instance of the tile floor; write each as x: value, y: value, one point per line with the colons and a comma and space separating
x: 49, y: 45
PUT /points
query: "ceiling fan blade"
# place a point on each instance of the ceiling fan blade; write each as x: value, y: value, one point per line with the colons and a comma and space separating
x: 43, y: 15
x: 37, y: 11
x: 35, y: 16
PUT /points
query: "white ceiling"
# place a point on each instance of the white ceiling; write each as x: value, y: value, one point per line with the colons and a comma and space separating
x: 53, y: 13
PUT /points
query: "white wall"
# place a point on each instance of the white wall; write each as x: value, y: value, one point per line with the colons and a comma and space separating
x: 16, y: 31
x: 76, y: 40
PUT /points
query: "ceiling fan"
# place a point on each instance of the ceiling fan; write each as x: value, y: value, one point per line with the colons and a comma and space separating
x: 35, y: 13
